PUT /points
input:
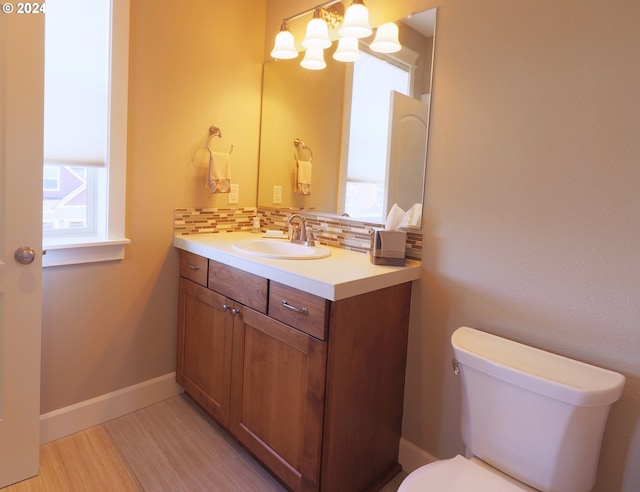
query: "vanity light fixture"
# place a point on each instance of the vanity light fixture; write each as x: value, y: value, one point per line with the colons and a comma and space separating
x: 317, y: 32
x: 313, y: 59
x: 285, y: 46
x: 347, y: 50
x: 386, y: 40
x: 353, y: 25
x: 327, y: 15
x: 356, y: 21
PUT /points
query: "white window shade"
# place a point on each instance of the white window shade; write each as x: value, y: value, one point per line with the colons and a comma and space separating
x: 373, y: 81
x: 77, y: 82
x: 86, y: 56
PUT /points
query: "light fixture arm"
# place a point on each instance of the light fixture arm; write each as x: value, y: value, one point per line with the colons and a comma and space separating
x: 312, y: 9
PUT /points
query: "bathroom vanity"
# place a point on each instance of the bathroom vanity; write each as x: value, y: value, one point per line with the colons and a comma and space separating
x: 302, y: 361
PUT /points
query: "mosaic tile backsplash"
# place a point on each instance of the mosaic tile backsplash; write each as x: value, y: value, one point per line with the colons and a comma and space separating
x: 331, y: 231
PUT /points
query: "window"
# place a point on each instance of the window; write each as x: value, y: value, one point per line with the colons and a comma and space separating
x: 66, y: 192
x: 85, y: 111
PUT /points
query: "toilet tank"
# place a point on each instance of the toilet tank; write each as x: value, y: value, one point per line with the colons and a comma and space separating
x: 536, y: 416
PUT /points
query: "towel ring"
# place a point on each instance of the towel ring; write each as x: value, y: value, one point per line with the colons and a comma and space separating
x: 214, y: 131
x: 301, y: 145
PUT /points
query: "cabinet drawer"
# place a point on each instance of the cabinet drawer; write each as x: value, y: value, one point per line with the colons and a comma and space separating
x: 306, y: 312
x: 193, y: 267
x: 246, y: 288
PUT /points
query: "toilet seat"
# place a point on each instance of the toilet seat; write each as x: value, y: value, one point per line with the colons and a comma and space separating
x: 456, y: 475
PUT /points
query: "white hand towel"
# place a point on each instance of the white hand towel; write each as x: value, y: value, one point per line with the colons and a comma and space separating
x: 303, y: 178
x: 219, y: 176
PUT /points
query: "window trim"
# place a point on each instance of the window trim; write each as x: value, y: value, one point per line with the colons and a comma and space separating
x: 68, y: 251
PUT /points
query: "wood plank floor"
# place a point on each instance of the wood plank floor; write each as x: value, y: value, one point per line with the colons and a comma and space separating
x: 170, y: 446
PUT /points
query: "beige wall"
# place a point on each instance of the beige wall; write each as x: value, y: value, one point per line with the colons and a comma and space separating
x: 532, y: 209
x: 110, y: 325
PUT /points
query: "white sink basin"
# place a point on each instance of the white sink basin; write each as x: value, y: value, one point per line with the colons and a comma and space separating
x: 277, y: 248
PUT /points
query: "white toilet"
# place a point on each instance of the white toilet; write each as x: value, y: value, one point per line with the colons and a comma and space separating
x: 531, y: 420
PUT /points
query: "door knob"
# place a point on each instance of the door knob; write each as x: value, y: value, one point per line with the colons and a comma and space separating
x: 24, y: 255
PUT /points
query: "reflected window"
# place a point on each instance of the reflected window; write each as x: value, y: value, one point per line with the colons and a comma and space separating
x: 374, y: 79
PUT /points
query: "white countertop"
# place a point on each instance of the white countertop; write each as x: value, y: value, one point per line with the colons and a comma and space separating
x: 343, y: 274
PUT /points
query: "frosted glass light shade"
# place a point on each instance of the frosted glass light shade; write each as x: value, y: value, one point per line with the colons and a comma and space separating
x: 356, y: 22
x: 317, y: 35
x: 313, y: 59
x: 347, y: 50
x: 386, y: 40
x: 284, y: 47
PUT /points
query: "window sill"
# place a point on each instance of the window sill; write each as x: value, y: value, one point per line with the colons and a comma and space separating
x: 66, y: 251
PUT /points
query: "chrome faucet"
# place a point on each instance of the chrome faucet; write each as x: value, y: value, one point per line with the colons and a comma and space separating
x: 301, y: 234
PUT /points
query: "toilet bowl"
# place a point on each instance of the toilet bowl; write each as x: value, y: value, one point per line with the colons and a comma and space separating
x: 531, y: 420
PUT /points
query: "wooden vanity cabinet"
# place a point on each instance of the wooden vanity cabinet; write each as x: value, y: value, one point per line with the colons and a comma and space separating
x: 314, y: 389
x: 277, y: 397
x: 258, y: 377
x: 194, y: 267
x: 203, y: 362
x: 366, y: 360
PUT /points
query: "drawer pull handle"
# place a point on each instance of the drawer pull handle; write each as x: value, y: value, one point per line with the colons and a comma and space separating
x: 294, y: 308
x: 192, y: 267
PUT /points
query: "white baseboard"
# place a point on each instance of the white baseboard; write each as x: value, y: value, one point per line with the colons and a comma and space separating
x: 412, y: 457
x: 80, y: 416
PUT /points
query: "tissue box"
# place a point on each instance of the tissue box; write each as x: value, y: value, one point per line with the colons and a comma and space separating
x: 388, y: 247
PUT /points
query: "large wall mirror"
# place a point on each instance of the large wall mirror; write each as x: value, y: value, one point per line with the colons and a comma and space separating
x: 364, y: 128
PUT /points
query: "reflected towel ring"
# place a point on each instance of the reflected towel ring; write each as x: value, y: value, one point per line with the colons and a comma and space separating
x: 301, y: 145
x: 214, y: 131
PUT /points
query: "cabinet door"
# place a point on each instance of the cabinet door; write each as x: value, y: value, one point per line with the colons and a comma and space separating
x: 277, y: 397
x: 203, y: 362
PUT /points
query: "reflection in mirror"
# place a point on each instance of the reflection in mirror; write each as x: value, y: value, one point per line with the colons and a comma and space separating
x: 373, y: 80
x: 304, y: 104
x: 321, y: 108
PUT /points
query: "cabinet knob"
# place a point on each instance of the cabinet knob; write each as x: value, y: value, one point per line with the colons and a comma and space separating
x: 225, y: 308
x: 235, y: 311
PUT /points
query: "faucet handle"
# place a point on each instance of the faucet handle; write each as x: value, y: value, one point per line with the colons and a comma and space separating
x: 311, y: 239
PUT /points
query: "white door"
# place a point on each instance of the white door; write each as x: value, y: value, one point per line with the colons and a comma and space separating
x: 408, y: 126
x: 21, y: 108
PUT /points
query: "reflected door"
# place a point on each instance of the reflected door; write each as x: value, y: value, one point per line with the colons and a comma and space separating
x: 21, y: 120
x: 407, y: 153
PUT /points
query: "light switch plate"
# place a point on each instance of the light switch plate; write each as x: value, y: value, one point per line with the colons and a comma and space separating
x: 277, y: 194
x: 234, y: 194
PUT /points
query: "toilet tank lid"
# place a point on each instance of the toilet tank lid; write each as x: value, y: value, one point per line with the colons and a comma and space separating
x: 553, y: 375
